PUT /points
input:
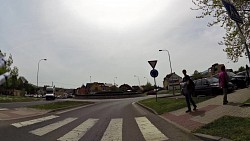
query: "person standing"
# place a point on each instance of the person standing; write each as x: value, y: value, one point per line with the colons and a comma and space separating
x: 223, y: 82
x: 188, y: 89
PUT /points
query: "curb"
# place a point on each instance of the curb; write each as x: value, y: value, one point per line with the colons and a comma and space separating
x: 148, y: 108
x: 207, y: 137
x: 245, y: 105
x: 210, y: 138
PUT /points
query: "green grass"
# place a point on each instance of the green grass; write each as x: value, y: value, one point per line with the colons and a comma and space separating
x: 9, y: 99
x: 60, y: 105
x: 247, y: 102
x: 167, y: 91
x: 168, y: 104
x: 234, y: 128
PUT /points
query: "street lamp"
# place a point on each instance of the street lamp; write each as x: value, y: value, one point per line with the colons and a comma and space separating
x: 138, y: 79
x: 146, y: 78
x: 168, y: 58
x: 170, y: 65
x: 38, y: 71
x: 114, y: 80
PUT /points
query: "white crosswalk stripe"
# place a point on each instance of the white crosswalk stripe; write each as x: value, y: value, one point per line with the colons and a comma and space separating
x: 78, y: 132
x: 30, y: 122
x: 113, y: 131
x: 149, y: 131
x: 46, y: 129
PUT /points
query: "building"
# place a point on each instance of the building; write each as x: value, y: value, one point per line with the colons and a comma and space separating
x: 81, y: 90
x: 92, y: 88
x: 214, y: 69
x: 172, y: 81
x: 125, y: 88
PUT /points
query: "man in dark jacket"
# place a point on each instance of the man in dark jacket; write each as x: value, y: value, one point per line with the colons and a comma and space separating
x: 188, y: 90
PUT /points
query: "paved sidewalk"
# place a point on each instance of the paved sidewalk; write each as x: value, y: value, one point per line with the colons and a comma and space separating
x: 211, y: 110
x: 16, y: 113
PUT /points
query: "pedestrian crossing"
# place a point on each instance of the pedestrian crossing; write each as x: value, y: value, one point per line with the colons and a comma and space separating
x: 78, y: 132
x: 149, y: 131
x: 46, y: 129
x: 30, y: 122
x: 113, y: 130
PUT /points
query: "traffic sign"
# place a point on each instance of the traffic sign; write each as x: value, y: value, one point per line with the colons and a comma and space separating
x: 232, y: 12
x: 152, y: 63
x: 154, y: 73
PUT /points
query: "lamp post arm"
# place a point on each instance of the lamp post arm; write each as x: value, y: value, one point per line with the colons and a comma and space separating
x: 170, y: 61
x: 38, y: 71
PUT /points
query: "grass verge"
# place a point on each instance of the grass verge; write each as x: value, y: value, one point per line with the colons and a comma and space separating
x: 234, y: 128
x: 168, y: 104
x: 168, y: 91
x: 9, y: 99
x: 61, y: 105
x: 247, y: 102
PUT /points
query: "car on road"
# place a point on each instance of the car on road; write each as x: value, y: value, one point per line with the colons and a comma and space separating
x: 240, y: 80
x: 210, y: 86
x: 50, y: 93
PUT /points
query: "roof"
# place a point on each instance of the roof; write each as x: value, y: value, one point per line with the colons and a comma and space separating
x: 169, y: 75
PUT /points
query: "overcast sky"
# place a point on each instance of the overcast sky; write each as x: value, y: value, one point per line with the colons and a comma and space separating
x: 107, y: 40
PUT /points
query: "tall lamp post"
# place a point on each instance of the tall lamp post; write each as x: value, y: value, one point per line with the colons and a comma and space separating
x: 146, y: 78
x: 138, y: 79
x: 114, y: 80
x: 38, y: 71
x: 170, y: 65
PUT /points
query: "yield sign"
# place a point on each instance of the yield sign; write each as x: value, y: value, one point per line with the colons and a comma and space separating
x: 152, y: 63
x: 232, y: 12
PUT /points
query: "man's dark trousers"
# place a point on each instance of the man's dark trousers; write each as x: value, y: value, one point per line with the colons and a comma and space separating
x: 188, y: 100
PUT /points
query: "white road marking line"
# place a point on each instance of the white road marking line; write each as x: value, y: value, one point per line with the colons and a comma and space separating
x: 113, y: 131
x: 46, y: 129
x: 30, y: 122
x: 149, y: 131
x: 78, y: 132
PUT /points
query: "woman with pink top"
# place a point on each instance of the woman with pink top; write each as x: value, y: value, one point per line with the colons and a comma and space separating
x: 223, y: 81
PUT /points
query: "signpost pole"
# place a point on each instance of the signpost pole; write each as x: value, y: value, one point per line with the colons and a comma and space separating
x: 234, y: 15
x: 243, y: 37
x: 154, y: 74
x: 156, y: 91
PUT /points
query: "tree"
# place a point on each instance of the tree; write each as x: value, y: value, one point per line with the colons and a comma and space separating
x: 148, y: 87
x: 241, y: 69
x: 197, y: 75
x: 12, y: 82
x: 232, y: 39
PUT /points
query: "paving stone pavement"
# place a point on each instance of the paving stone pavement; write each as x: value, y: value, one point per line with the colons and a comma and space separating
x: 16, y: 113
x: 212, y: 109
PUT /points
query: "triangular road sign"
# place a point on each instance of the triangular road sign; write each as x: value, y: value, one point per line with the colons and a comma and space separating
x: 232, y: 12
x: 152, y: 63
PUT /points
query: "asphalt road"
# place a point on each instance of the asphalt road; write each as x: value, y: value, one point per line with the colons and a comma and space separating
x: 106, y: 120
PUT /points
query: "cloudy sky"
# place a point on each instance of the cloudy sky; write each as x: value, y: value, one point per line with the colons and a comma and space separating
x: 107, y: 40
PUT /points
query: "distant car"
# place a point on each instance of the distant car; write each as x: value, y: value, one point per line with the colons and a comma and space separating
x: 240, y: 80
x: 152, y: 92
x: 50, y: 93
x: 210, y: 86
x: 230, y: 75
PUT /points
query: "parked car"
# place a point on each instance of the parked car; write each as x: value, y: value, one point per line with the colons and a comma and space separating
x: 151, y: 92
x: 210, y: 86
x: 240, y: 80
